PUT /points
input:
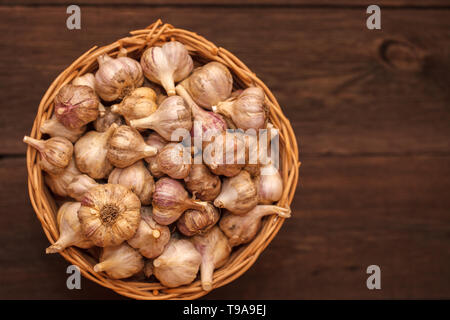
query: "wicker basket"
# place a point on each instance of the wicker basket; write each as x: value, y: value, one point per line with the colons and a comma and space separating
x: 203, y: 50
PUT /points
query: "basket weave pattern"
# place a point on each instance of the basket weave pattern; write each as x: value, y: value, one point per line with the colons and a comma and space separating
x: 200, y: 48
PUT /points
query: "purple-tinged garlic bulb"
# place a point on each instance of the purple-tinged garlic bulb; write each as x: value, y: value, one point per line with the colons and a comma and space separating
x: 194, y: 222
x: 202, y: 183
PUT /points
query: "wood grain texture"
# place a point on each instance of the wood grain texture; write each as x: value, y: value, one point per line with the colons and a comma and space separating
x: 341, y: 101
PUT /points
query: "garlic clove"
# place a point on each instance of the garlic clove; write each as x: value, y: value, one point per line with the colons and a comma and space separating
x: 167, y: 64
x: 174, y: 160
x: 269, y: 184
x: 215, y: 250
x: 136, y: 178
x: 202, y: 183
x: 120, y: 262
x: 116, y: 78
x: 91, y: 152
x: 194, y: 222
x: 178, y: 265
x: 79, y: 185
x: 209, y: 84
x: 109, y: 214
x: 69, y: 229
x: 242, y: 229
x: 126, y: 146
x: 151, y: 238
x: 59, y: 183
x: 76, y: 106
x: 102, y: 123
x: 54, y: 128
x: 238, y: 194
x: 139, y: 104
x: 56, y: 153
x: 173, y: 116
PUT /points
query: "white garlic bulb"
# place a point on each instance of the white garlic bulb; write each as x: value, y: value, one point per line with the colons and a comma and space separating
x: 178, y: 264
x: 79, y: 186
x: 87, y: 79
x: 202, y: 183
x: 91, y: 153
x: 158, y: 142
x: 120, y: 262
x: 136, y: 178
x: 215, y: 250
x: 167, y: 64
x: 116, y: 78
x: 59, y: 183
x: 269, y: 184
x: 54, y: 128
x: 69, y: 229
x: 172, y: 115
x: 139, y: 104
x: 174, y: 160
x: 151, y: 238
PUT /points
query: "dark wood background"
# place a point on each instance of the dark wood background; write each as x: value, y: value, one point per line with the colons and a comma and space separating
x: 370, y: 110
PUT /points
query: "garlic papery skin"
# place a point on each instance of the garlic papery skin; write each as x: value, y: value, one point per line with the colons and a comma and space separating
x: 202, y: 183
x: 54, y: 128
x: 109, y: 214
x: 59, y: 183
x: 215, y: 250
x: 87, y: 79
x: 269, y: 184
x: 139, y: 104
x: 178, y: 264
x: 69, y: 229
x: 120, y: 262
x: 76, y: 106
x: 172, y: 115
x: 158, y: 142
x: 211, y: 123
x: 194, y: 222
x: 151, y: 238
x: 167, y: 64
x: 79, y: 186
x: 174, y: 160
x: 248, y: 110
x: 209, y: 84
x: 170, y: 200
x: 136, y: 178
x: 104, y: 122
x: 226, y: 155
x: 242, y: 229
x: 91, y: 153
x: 148, y: 268
x: 116, y: 78
x: 238, y: 194
x: 55, y: 153
x: 126, y: 146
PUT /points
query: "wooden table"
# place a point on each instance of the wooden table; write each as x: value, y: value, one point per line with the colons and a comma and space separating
x: 370, y: 109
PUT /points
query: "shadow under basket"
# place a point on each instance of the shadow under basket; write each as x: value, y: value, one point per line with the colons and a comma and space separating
x: 202, y: 50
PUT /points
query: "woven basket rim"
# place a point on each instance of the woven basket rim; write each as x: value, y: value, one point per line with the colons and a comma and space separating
x: 241, y: 259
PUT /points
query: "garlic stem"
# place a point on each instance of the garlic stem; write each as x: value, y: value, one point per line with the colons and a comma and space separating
x: 206, y: 271
x: 168, y: 83
x: 156, y: 234
x: 265, y: 210
x: 63, y: 242
x: 35, y: 143
x: 105, y: 265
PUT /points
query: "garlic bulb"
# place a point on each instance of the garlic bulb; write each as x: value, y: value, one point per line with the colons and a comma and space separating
x: 202, y: 183
x: 158, y: 142
x: 69, y: 229
x: 215, y: 250
x: 55, y: 153
x: 104, y: 122
x: 269, y: 184
x: 79, y: 186
x: 238, y: 194
x: 242, y: 229
x: 54, y: 128
x: 109, y: 214
x: 167, y: 64
x: 116, y: 78
x: 226, y: 155
x: 172, y: 115
x: 87, y: 79
x: 194, y: 222
x: 126, y: 146
x: 120, y: 262
x: 178, y: 264
x: 210, y: 122
x: 209, y: 84
x: 247, y: 111
x: 59, y: 183
x: 170, y: 200
x: 91, y: 153
x: 136, y: 178
x: 174, y: 160
x: 151, y: 238
x: 139, y: 104
x: 76, y: 106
